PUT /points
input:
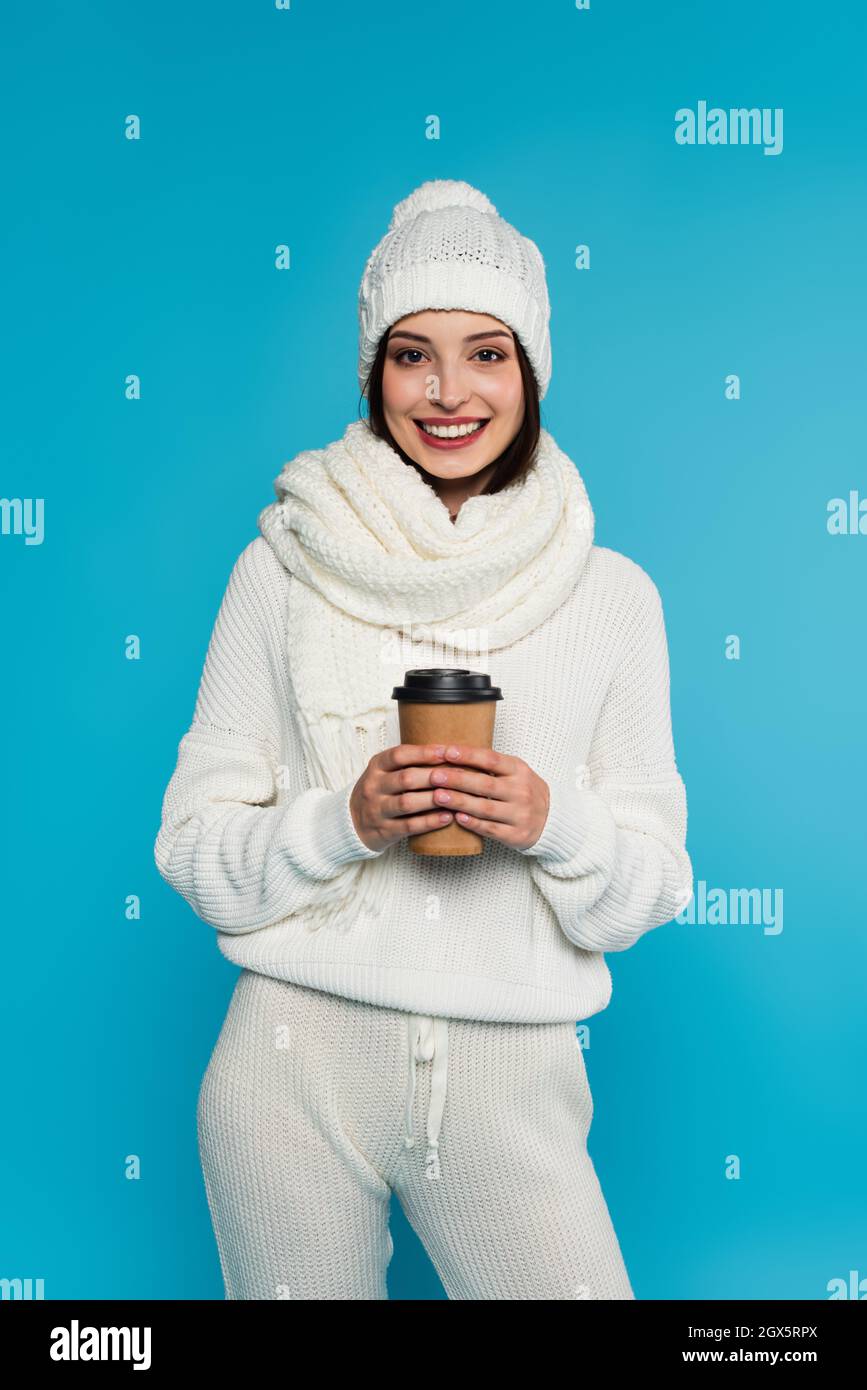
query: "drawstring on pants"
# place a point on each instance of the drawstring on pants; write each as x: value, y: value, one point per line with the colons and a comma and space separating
x: 428, y: 1038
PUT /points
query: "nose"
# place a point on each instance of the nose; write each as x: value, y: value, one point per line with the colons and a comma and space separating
x: 446, y: 390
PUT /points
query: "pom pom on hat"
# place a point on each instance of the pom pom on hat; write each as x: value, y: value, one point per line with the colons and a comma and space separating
x: 440, y: 193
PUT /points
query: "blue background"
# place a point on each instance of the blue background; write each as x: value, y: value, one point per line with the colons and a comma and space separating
x: 156, y: 257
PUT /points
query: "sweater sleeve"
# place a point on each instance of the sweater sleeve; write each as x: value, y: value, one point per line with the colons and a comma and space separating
x: 611, y: 859
x: 241, y: 861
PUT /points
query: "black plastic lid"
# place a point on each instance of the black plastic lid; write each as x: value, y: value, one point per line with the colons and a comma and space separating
x: 446, y: 685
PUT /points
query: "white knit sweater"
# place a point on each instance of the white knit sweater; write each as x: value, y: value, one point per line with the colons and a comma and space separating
x: 508, y: 935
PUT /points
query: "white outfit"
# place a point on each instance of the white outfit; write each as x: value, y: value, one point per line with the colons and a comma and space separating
x: 301, y: 1129
x: 268, y: 854
x: 379, y: 961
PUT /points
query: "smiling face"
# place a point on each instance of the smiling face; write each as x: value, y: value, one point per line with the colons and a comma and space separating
x: 452, y: 392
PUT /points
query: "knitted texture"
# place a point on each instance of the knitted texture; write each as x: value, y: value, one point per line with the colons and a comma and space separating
x: 252, y: 842
x: 448, y: 248
x: 300, y: 1123
x: 378, y: 556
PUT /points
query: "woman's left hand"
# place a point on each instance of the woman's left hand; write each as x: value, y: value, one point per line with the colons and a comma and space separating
x: 503, y: 800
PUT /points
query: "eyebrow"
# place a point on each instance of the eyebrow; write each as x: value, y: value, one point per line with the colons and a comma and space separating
x: 470, y: 338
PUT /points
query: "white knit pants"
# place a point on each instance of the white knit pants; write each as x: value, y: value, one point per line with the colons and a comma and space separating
x: 304, y: 1114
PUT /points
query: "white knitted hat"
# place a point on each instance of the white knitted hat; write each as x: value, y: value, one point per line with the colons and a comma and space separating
x: 448, y: 248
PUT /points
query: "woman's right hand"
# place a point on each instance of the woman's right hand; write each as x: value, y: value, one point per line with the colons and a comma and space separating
x: 393, y: 797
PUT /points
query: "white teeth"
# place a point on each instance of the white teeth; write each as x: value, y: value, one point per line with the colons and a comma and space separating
x: 453, y: 431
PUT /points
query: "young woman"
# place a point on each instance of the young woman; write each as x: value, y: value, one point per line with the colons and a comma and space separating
x: 446, y: 529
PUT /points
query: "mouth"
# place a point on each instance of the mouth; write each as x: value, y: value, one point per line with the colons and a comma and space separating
x: 454, y: 433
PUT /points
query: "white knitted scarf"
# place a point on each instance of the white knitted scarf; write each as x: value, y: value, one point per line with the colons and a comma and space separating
x: 379, y: 567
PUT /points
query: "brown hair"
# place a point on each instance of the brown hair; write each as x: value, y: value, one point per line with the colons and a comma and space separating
x: 518, y: 456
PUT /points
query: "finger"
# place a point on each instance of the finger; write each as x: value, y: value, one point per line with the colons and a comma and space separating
x: 404, y: 754
x: 409, y: 803
x: 417, y: 825
x: 466, y: 779
x: 502, y: 812
x: 406, y: 779
x: 488, y: 759
x: 491, y: 830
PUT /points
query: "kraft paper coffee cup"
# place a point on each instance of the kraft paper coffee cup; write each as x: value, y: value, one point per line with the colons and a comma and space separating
x: 447, y: 704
